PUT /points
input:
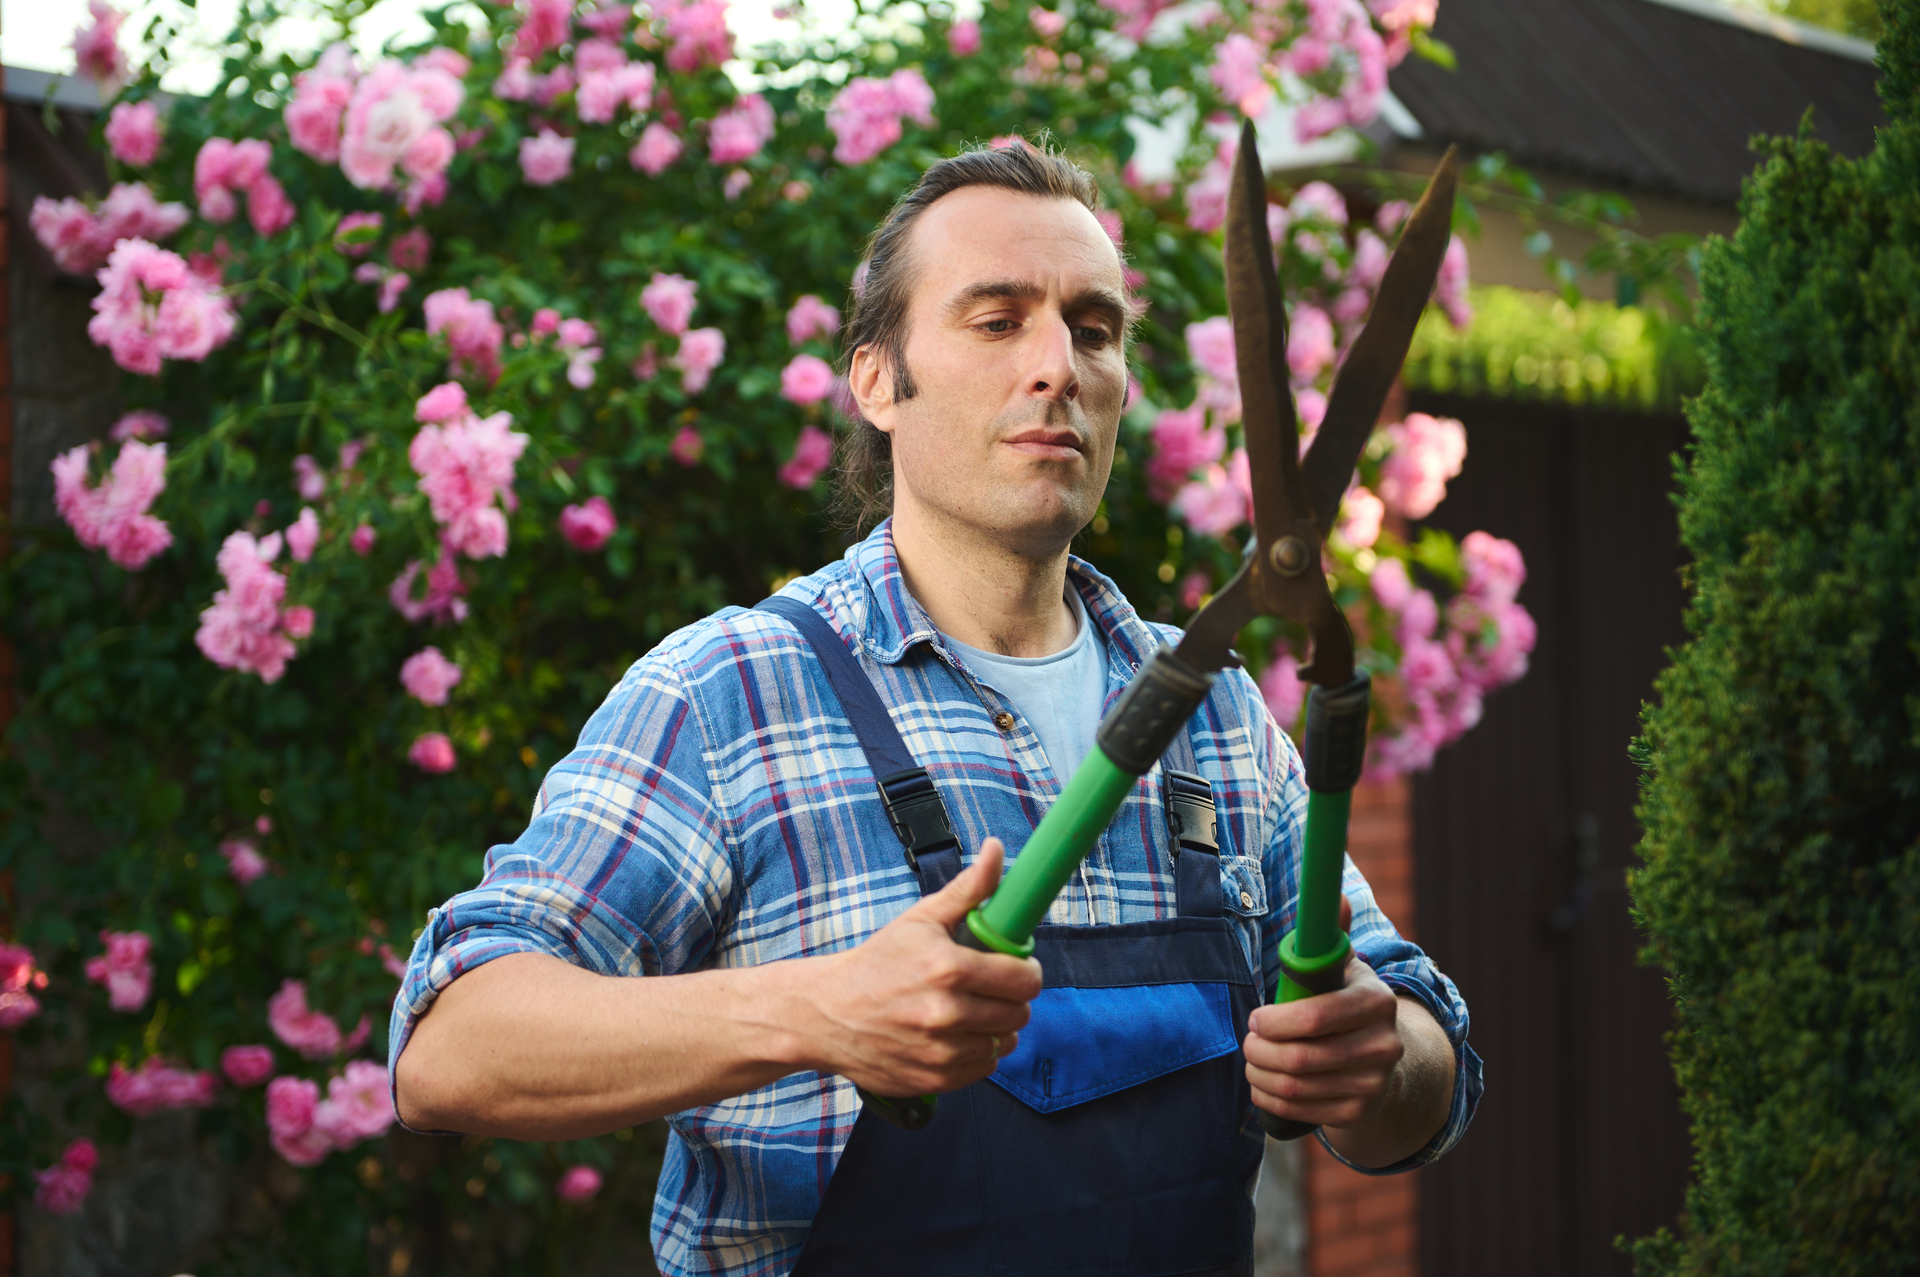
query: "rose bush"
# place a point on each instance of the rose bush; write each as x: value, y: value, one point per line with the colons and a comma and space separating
x: 520, y: 358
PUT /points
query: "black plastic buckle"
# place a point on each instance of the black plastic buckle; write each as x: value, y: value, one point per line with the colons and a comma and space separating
x: 1190, y: 811
x: 916, y: 813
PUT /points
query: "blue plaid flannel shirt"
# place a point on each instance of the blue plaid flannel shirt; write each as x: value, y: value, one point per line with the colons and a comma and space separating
x: 717, y: 812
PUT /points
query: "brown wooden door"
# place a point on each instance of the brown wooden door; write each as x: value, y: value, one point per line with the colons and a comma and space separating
x: 1522, y: 834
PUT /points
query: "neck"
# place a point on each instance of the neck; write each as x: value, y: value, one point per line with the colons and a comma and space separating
x: 982, y: 593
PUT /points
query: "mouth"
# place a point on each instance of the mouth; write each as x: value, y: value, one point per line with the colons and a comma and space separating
x: 1047, y: 443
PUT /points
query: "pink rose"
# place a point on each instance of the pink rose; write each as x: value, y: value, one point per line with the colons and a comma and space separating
x: 473, y: 335
x: 247, y: 1065
x: 963, y: 38
x: 687, y: 446
x: 443, y: 403
x: 442, y: 600
x: 1360, y: 515
x: 62, y: 1188
x: 244, y: 860
x: 411, y: 249
x: 1047, y: 23
x: 1494, y: 568
x: 547, y: 25
x: 1206, y: 196
x: 248, y: 627
x: 1211, y: 505
x: 18, y: 977
x: 739, y: 132
x: 811, y: 318
x: 113, y: 516
x: 865, y: 115
x: 156, y: 1087
x: 292, y: 1105
x: 362, y: 540
x: 303, y: 535
x: 428, y: 676
x: 312, y: 1033
x: 1210, y: 347
x: 1309, y: 342
x: 657, y: 148
x: 1427, y: 451
x: 313, y: 116
x: 812, y: 454
x: 589, y: 525
x: 1450, y: 289
x: 1239, y: 71
x: 807, y: 379
x: 465, y: 466
x: 96, y: 48
x: 1281, y: 688
x: 1181, y: 445
x: 701, y: 350
x: 359, y: 1104
x: 133, y: 132
x: 126, y: 968
x: 699, y: 35
x: 191, y: 318
x: 432, y: 752
x: 546, y: 159
x: 668, y: 300
x: 578, y: 1184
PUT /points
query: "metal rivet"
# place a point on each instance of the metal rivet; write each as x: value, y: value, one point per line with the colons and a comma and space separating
x: 1246, y: 900
x: 1290, y: 556
x: 1004, y: 721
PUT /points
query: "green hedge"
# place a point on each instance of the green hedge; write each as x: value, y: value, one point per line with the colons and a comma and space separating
x: 1781, y: 890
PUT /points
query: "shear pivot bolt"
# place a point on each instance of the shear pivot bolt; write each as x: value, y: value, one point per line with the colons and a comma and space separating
x: 1290, y: 556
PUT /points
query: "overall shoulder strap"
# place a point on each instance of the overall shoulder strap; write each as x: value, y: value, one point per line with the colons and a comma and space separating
x: 912, y: 803
x: 1190, y: 820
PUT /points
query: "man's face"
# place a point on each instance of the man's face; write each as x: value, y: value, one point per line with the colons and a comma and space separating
x: 1015, y: 345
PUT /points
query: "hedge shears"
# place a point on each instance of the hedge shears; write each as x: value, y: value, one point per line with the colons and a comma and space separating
x: 1295, y: 500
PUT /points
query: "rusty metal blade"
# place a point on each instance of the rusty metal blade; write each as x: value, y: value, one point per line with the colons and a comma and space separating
x: 1260, y: 346
x: 1371, y: 366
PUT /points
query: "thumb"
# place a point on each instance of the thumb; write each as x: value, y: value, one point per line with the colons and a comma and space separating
x: 976, y: 882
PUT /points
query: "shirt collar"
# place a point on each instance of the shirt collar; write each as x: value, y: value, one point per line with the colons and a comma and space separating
x: 895, y: 621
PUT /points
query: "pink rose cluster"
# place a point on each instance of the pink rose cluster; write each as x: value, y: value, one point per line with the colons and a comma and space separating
x: 429, y: 676
x: 589, y: 525
x: 441, y: 600
x: 578, y: 1184
x: 389, y: 119
x: 1182, y: 444
x: 96, y: 48
x: 696, y: 32
x: 812, y: 454
x: 133, y: 132
x: 18, y: 979
x: 465, y: 464
x: 304, y: 1128
x: 473, y: 335
x: 243, y: 858
x: 1136, y: 15
x: 669, y: 301
x: 152, y: 307
x: 126, y: 968
x: 64, y: 1186
x: 248, y: 625
x: 739, y: 132
x: 432, y: 752
x: 247, y: 1065
x: 112, y: 516
x: 314, y: 1034
x: 82, y: 238
x: 225, y: 169
x: 1427, y: 451
x: 546, y: 158
x: 608, y: 81
x: 865, y: 115
x: 577, y: 339
x: 811, y: 319
x: 807, y: 379
x: 157, y: 1087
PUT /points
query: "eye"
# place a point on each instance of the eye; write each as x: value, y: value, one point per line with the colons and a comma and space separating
x: 997, y: 325
x: 1092, y: 336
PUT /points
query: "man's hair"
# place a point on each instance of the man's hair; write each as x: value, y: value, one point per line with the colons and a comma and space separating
x: 863, y: 484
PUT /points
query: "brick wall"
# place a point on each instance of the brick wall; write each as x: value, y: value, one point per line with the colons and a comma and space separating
x: 1360, y: 1225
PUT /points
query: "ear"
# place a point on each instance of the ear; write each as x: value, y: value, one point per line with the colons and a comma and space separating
x: 870, y: 382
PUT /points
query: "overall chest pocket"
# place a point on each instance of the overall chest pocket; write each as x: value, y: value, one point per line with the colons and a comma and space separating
x: 1125, y: 1005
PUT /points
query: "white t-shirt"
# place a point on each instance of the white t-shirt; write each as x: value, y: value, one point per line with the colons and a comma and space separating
x: 1060, y: 696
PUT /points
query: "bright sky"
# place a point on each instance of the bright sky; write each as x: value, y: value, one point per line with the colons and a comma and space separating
x: 39, y: 33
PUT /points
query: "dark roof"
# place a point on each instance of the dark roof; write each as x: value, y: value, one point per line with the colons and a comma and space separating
x: 1632, y: 93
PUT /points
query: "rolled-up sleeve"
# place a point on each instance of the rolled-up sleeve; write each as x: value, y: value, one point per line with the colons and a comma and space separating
x: 1400, y: 964
x: 623, y: 869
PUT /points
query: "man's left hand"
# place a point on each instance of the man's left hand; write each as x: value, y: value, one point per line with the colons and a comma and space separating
x: 1328, y: 1059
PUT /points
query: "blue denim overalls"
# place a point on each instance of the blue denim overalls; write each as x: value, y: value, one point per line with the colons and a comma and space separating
x: 1115, y: 1140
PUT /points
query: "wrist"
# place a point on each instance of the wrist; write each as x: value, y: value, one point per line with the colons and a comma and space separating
x: 789, y: 1015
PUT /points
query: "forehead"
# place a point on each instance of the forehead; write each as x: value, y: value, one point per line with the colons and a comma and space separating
x: 989, y: 232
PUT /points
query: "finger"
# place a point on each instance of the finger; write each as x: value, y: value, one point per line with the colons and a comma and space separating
x: 1319, y: 1088
x: 978, y: 1015
x: 1364, y: 1000
x: 975, y: 883
x: 1376, y: 1048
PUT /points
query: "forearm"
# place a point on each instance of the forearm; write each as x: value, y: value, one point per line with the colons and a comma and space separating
x: 531, y: 1047
x: 1417, y: 1099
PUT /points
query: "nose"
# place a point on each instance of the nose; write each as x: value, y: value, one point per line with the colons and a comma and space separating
x: 1054, y: 375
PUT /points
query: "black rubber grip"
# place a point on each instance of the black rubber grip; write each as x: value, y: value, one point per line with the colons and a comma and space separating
x: 1336, y: 740
x: 1285, y: 1128
x: 910, y: 1113
x: 1151, y: 712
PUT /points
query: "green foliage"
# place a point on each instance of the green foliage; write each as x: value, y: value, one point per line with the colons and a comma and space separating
x: 1530, y: 345
x: 1781, y: 889
x: 1859, y: 18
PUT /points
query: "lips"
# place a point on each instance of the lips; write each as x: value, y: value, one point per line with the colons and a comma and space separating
x: 1044, y: 442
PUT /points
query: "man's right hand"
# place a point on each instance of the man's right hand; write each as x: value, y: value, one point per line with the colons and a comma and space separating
x: 910, y: 1012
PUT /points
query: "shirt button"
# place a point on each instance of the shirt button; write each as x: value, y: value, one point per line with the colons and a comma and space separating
x: 1246, y: 900
x: 1004, y: 721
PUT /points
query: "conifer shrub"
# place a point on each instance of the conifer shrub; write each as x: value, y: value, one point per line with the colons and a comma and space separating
x: 1781, y: 886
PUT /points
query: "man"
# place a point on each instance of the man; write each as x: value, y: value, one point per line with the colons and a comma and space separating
x: 718, y: 832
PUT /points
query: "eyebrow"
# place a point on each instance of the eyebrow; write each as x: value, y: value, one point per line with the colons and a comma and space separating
x: 1109, y: 303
